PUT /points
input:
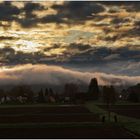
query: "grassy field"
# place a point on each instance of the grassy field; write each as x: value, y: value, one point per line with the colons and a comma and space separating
x: 132, y: 124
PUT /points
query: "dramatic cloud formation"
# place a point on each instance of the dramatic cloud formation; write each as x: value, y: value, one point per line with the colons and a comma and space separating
x: 54, y: 75
x: 86, y: 57
x: 86, y: 36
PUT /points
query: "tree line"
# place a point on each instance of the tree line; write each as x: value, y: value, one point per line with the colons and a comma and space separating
x: 70, y: 94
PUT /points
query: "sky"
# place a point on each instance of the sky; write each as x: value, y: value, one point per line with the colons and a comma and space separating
x: 61, y: 41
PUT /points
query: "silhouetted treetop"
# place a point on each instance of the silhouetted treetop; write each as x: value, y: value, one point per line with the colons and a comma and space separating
x: 93, y: 89
x: 109, y: 94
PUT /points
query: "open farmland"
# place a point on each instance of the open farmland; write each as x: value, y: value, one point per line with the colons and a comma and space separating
x: 56, y: 122
x: 47, y: 114
x: 44, y: 109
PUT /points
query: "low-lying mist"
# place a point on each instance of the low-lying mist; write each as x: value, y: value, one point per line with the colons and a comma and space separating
x: 55, y: 75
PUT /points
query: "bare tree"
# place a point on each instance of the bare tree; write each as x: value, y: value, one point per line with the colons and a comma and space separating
x: 109, y: 97
x: 70, y: 91
x: 41, y: 98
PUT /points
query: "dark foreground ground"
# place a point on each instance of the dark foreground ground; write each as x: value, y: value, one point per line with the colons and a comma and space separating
x: 56, y: 122
x: 78, y: 132
x: 47, y: 114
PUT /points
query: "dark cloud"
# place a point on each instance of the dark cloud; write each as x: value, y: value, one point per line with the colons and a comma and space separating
x: 78, y: 10
x: 52, y: 18
x: 30, y: 19
x: 137, y: 25
x: 55, y: 46
x: 6, y: 38
x: 28, y: 22
x: 113, y: 10
x: 88, y: 58
x: 8, y: 11
x: 134, y: 32
x: 70, y: 12
x: 86, y: 55
x: 10, y: 57
x: 29, y: 7
x: 7, y: 50
x: 133, y: 7
x: 120, y: 20
x: 73, y: 12
x: 114, y: 3
x: 6, y: 55
x: 111, y: 38
x: 99, y: 55
x: 91, y: 57
x: 80, y: 47
x: 130, y: 6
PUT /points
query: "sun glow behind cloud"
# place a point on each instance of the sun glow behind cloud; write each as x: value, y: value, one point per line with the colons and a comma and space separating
x: 27, y: 46
x: 91, y: 26
x: 48, y: 32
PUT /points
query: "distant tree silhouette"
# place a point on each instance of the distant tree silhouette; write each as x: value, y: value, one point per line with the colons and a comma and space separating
x: 134, y: 93
x: 123, y: 94
x: 46, y: 92
x: 41, y: 98
x: 93, y: 89
x: 103, y: 119
x: 46, y: 96
x: 51, y: 92
x: 133, y: 97
x: 70, y: 91
x: 109, y: 97
x: 2, y: 93
x: 29, y: 94
x: 23, y: 91
x: 115, y: 119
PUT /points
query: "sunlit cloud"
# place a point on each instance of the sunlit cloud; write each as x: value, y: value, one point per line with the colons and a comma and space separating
x: 27, y: 46
x: 64, y: 32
